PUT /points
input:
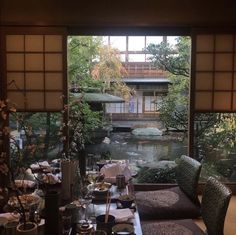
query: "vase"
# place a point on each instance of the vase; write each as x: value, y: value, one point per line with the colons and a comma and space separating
x: 66, y: 179
x: 52, y: 213
x: 29, y: 229
x: 105, y: 226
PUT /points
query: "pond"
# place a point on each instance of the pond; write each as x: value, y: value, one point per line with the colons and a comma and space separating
x: 140, y: 149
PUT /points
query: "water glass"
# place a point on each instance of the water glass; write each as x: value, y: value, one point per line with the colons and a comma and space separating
x: 10, y: 228
x: 98, y: 232
x: 66, y: 224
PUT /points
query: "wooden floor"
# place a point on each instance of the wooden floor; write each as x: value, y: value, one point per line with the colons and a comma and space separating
x: 230, y: 221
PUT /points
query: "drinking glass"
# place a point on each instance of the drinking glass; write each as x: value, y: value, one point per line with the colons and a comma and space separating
x: 66, y: 224
x: 98, y: 232
x: 84, y: 209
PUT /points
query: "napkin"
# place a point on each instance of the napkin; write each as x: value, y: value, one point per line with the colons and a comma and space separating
x: 51, y: 179
x: 112, y: 170
x: 43, y: 164
x: 24, y: 183
x: 122, y: 215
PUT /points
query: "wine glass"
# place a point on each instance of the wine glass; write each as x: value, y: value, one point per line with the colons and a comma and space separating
x: 84, y: 209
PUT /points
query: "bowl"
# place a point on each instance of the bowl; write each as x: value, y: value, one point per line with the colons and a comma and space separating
x: 103, y: 185
x: 101, y: 189
x: 124, y: 229
x: 126, y: 200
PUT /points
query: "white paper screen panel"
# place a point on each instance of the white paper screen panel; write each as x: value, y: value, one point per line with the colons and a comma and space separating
x: 34, y: 81
x: 223, y: 81
x: 35, y: 71
x: 215, y: 66
x: 204, y: 81
x: 203, y: 100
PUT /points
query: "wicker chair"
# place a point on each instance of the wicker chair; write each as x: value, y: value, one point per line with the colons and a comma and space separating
x: 179, y: 202
x: 215, y: 202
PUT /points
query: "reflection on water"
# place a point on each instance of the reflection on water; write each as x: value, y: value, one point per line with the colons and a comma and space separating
x: 124, y: 145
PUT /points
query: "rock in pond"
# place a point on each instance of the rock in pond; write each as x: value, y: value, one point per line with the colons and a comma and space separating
x: 149, y: 131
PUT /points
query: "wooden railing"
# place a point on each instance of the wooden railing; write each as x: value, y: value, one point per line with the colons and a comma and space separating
x: 142, y: 69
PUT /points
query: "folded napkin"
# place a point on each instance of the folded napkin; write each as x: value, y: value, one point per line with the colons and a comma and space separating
x: 51, y: 179
x: 122, y: 215
x: 24, y: 183
x: 112, y: 170
x: 39, y: 165
x: 10, y: 216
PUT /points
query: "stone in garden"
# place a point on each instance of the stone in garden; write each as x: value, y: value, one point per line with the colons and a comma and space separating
x: 149, y: 131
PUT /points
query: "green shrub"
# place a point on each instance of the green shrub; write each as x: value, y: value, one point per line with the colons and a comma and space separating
x: 156, y: 175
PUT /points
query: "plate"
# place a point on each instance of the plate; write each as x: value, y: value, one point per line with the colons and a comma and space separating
x: 123, y: 229
x: 24, y: 183
x: 27, y: 200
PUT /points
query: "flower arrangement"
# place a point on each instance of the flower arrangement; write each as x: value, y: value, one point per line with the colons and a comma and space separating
x: 6, y: 108
x: 10, y: 168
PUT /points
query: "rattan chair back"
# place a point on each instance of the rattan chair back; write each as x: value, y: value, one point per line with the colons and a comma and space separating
x: 215, y: 201
x: 187, y: 175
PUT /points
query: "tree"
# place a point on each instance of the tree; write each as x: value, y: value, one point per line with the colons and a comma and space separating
x: 82, y: 52
x: 110, y: 71
x: 94, y: 65
x: 176, y: 61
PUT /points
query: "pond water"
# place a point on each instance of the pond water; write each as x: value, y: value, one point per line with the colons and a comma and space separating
x: 141, y: 149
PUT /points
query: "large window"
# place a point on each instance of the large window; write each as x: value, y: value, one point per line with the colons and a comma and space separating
x: 149, y: 102
x: 214, y: 104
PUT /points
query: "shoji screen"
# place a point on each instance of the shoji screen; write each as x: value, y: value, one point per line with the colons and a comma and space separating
x: 214, y: 73
x: 35, y: 68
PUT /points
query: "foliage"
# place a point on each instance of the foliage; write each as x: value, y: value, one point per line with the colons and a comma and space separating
x: 6, y: 108
x: 209, y: 169
x: 82, y: 121
x: 92, y: 67
x: 82, y: 52
x: 37, y: 129
x: 156, y: 175
x: 110, y: 70
x: 34, y: 134
x: 173, y: 107
x: 174, y: 59
x: 6, y: 168
x: 223, y: 133
x: 218, y: 134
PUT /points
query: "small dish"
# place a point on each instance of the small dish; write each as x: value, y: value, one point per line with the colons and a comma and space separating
x: 101, y: 188
x: 124, y: 229
x: 132, y: 207
x: 126, y: 200
x: 103, y: 185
